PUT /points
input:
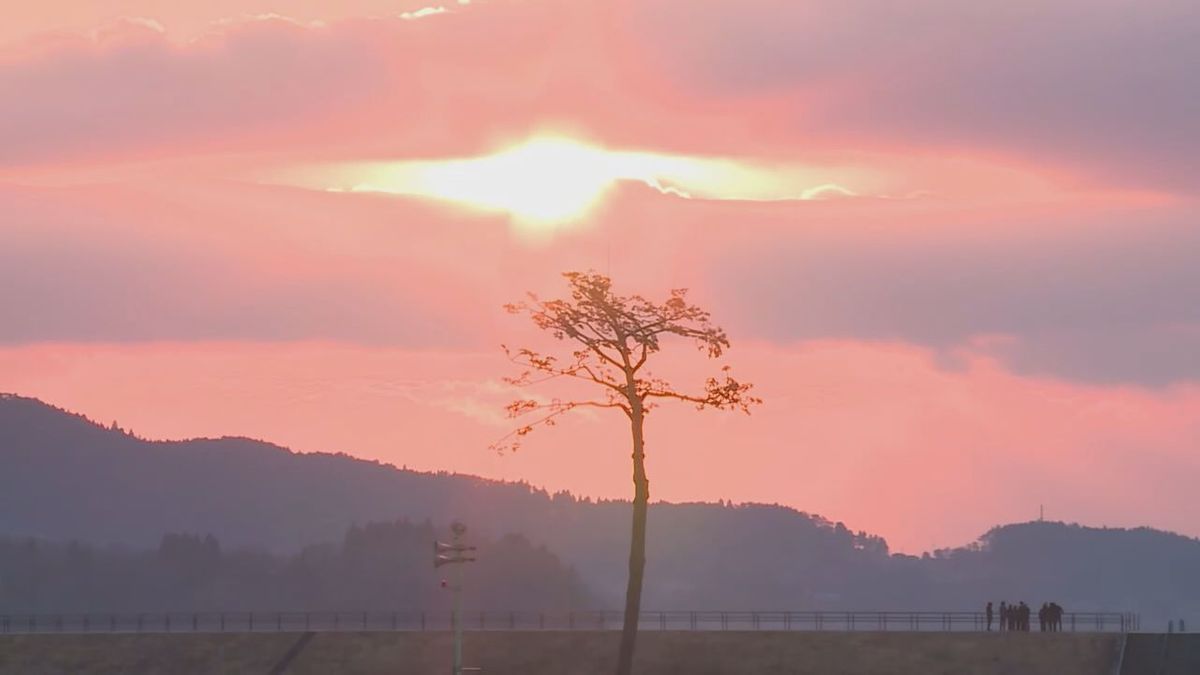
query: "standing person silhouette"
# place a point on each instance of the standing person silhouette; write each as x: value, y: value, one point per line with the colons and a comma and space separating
x: 1003, y: 616
x: 988, y: 613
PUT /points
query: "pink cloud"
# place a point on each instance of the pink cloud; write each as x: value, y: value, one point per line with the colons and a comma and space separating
x: 132, y: 92
x: 1094, y: 288
x: 1099, y: 87
x: 128, y: 263
x: 774, y: 79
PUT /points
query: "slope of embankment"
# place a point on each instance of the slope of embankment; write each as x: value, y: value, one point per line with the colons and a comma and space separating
x: 567, y: 653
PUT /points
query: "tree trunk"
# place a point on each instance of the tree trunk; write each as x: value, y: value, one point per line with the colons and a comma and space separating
x: 637, y: 544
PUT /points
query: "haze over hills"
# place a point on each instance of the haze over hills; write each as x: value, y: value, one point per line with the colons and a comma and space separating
x: 67, y: 478
x: 378, y: 567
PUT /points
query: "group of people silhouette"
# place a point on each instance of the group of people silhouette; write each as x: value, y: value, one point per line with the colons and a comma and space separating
x: 1015, y: 617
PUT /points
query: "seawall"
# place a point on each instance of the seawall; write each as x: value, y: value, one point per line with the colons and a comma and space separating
x: 567, y: 653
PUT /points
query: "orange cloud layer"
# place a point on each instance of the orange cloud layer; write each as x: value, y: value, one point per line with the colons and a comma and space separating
x: 774, y: 78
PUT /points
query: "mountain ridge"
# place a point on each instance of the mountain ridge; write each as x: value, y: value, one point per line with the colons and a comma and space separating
x: 69, y: 478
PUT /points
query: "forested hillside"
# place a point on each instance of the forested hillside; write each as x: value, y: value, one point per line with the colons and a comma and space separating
x: 65, y: 478
x: 382, y: 566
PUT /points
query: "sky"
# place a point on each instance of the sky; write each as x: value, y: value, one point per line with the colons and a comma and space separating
x: 955, y: 245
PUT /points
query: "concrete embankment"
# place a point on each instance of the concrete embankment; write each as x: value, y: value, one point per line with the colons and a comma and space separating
x: 1161, y: 654
x: 576, y: 653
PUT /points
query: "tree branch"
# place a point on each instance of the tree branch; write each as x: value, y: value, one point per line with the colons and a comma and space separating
x: 545, y: 365
x: 616, y: 337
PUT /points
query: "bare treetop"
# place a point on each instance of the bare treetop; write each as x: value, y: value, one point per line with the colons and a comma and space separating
x: 614, y: 338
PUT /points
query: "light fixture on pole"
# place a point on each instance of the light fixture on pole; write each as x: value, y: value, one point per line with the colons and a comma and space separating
x: 455, y: 553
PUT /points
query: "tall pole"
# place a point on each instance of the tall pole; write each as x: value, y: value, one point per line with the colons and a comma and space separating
x: 455, y: 553
x: 458, y: 616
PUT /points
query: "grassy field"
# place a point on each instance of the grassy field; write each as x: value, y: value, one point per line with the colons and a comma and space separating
x: 569, y: 653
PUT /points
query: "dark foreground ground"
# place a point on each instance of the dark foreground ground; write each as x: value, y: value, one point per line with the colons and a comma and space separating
x: 586, y: 653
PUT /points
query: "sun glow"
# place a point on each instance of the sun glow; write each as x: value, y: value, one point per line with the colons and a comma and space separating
x: 543, y: 181
x: 547, y: 181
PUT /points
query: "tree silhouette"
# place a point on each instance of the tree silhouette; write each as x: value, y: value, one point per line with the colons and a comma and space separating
x: 615, y: 336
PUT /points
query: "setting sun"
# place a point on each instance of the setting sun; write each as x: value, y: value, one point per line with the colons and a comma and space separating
x: 540, y: 182
x: 547, y: 180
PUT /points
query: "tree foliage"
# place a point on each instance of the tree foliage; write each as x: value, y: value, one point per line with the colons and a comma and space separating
x: 614, y: 337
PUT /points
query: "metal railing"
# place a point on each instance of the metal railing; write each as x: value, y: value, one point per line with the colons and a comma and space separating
x: 282, y: 621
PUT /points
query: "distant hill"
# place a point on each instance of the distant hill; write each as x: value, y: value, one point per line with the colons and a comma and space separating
x: 381, y: 566
x: 1156, y: 573
x: 63, y: 477
x: 66, y: 477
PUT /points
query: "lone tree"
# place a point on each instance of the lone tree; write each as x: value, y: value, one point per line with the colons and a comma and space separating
x: 613, y: 338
